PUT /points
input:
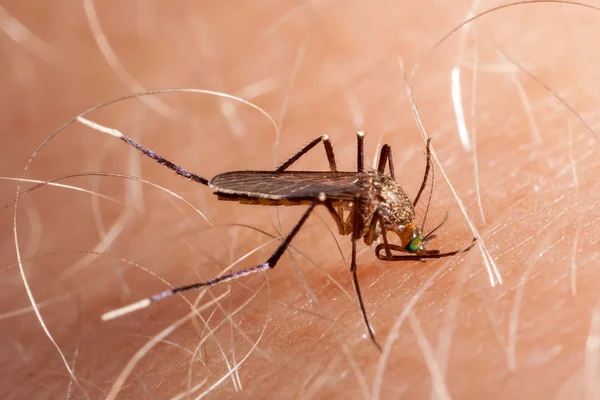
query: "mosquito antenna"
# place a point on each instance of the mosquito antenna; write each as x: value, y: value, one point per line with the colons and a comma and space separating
x: 431, y: 235
x: 161, y: 160
x: 430, y: 165
x: 429, y: 173
x: 427, y: 167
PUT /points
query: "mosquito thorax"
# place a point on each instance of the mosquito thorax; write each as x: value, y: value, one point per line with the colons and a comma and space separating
x: 395, y: 205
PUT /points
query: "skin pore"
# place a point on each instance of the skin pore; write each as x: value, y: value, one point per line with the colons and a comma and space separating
x: 524, y: 169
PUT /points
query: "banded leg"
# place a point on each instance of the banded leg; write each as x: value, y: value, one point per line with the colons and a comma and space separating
x: 385, y: 156
x: 353, y: 270
x: 328, y: 149
x: 270, y: 264
x: 146, y: 151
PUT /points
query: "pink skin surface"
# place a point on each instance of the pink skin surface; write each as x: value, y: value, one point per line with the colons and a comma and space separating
x: 525, y: 173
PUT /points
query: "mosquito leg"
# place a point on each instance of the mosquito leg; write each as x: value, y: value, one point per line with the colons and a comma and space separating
x: 307, y: 148
x: 417, y: 257
x: 271, y: 263
x: 372, y: 232
x: 360, y: 151
x: 427, y: 168
x: 353, y: 269
x: 336, y: 217
x: 161, y: 160
x: 386, y: 157
x: 372, y: 235
x: 386, y: 244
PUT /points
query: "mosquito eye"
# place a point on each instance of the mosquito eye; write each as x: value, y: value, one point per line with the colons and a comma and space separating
x: 414, y: 244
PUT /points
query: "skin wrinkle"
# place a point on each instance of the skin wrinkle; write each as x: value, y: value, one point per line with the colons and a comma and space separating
x: 332, y: 68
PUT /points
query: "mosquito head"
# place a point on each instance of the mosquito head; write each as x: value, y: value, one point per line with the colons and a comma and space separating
x: 411, y: 238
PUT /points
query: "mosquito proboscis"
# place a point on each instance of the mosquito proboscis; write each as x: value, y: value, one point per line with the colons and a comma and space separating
x: 364, y: 204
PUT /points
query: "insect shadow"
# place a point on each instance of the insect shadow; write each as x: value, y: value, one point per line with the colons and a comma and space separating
x: 363, y: 204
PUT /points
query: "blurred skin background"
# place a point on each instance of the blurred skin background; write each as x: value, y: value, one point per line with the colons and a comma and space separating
x: 525, y: 170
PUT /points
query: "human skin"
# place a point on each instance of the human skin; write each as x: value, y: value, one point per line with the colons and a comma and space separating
x: 528, y: 79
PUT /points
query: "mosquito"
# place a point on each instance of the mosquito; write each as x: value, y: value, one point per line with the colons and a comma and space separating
x: 364, y: 204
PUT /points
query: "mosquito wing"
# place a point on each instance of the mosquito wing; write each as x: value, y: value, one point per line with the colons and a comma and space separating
x: 293, y: 185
